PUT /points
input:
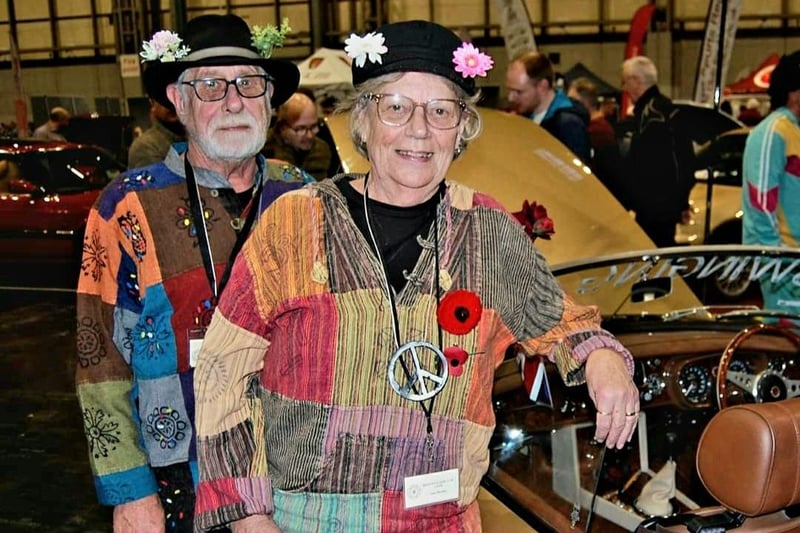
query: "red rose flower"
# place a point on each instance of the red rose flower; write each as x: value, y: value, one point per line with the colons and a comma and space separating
x: 456, y: 357
x: 459, y: 312
x: 534, y: 219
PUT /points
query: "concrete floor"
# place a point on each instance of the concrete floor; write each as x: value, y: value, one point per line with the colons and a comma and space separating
x: 45, y: 481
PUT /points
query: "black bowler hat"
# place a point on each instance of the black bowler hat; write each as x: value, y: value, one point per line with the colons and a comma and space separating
x: 218, y: 40
x: 411, y: 46
x: 784, y: 79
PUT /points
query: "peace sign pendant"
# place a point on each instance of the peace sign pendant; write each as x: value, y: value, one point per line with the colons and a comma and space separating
x: 416, y: 382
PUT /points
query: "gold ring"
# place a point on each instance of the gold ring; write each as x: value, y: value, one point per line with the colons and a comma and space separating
x: 632, y: 414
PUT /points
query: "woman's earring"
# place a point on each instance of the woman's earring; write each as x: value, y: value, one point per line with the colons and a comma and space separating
x: 459, y: 148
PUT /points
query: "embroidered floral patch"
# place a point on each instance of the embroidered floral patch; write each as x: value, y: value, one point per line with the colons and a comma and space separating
x: 94, y: 258
x: 166, y: 426
x: 89, y: 337
x: 102, y: 433
x: 129, y: 224
x: 149, y: 337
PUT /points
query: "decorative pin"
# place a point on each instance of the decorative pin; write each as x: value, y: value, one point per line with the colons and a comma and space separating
x: 319, y: 273
x: 417, y: 379
x: 445, y: 281
x: 459, y: 312
x: 237, y: 224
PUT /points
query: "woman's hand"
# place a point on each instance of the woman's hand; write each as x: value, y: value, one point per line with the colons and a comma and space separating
x: 615, y: 396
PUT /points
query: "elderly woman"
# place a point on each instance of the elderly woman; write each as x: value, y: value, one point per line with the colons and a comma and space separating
x: 345, y: 382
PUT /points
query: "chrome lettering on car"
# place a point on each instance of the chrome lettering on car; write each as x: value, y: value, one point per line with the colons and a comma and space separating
x: 774, y: 269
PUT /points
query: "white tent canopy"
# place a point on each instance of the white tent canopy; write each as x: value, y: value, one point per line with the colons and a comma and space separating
x: 325, y: 67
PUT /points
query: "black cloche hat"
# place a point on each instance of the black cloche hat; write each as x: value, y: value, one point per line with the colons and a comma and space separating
x: 415, y: 46
x: 218, y: 40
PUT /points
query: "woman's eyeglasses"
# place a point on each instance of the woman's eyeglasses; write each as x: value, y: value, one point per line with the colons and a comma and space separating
x: 396, y: 110
x: 213, y: 89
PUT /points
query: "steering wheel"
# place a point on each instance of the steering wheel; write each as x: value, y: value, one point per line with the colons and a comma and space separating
x: 768, y: 385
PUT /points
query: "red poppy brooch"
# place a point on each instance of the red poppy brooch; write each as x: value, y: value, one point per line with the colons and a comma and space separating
x: 534, y: 219
x: 456, y: 357
x: 459, y: 312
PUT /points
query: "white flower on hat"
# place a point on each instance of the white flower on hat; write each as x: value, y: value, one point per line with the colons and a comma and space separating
x: 164, y: 46
x: 361, y: 48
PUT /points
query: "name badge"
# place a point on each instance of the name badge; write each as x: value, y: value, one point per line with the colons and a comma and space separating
x: 196, y: 337
x: 430, y: 489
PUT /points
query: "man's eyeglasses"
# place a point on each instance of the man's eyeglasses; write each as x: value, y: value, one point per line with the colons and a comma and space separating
x: 396, y: 110
x: 304, y: 130
x: 213, y: 89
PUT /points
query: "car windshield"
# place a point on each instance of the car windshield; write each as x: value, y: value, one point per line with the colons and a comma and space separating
x: 678, y: 310
x: 69, y: 170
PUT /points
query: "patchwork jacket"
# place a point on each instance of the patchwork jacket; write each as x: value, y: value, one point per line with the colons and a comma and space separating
x: 143, y: 288
x: 296, y: 414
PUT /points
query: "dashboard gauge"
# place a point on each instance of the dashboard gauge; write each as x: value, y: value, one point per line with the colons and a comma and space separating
x: 778, y: 364
x: 737, y: 365
x: 653, y: 386
x: 695, y: 383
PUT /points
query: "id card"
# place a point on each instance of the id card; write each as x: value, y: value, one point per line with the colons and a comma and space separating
x: 430, y: 489
x: 195, y: 337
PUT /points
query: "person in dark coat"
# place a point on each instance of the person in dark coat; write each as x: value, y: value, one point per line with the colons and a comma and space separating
x: 530, y: 82
x: 659, y: 165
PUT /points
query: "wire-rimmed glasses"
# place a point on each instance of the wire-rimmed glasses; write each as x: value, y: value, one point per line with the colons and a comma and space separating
x: 213, y: 89
x: 396, y: 110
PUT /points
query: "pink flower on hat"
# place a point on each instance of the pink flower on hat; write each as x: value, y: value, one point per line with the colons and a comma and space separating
x: 471, y: 62
x: 369, y: 46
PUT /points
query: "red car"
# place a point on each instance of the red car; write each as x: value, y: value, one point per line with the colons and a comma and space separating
x: 46, y: 191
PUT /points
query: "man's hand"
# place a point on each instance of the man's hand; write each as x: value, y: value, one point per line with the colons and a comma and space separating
x: 257, y: 523
x: 615, y: 396
x: 139, y: 516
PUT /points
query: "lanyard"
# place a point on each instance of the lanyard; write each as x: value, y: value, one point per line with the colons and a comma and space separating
x: 427, y: 409
x: 199, y: 222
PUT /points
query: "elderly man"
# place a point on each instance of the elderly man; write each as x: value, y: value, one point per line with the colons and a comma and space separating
x: 530, y: 82
x: 771, y: 191
x: 659, y: 166
x: 294, y: 139
x: 159, y: 245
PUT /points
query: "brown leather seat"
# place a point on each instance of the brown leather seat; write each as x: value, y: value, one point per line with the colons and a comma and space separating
x: 748, y: 458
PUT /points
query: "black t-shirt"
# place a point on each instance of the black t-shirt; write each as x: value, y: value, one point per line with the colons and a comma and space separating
x: 396, y: 230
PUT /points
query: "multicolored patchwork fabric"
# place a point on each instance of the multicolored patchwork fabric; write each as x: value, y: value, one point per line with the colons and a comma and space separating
x: 771, y: 196
x: 295, y: 415
x: 142, y: 288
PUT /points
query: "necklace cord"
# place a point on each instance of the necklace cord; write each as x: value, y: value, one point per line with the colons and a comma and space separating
x: 427, y: 409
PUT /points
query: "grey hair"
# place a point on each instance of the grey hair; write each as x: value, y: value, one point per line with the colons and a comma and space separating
x: 643, y: 67
x: 358, y: 102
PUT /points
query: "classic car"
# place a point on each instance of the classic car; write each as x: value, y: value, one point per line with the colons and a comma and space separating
x: 692, y: 360
x: 46, y: 191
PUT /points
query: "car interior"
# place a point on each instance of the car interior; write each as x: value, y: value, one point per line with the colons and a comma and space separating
x: 762, y: 492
